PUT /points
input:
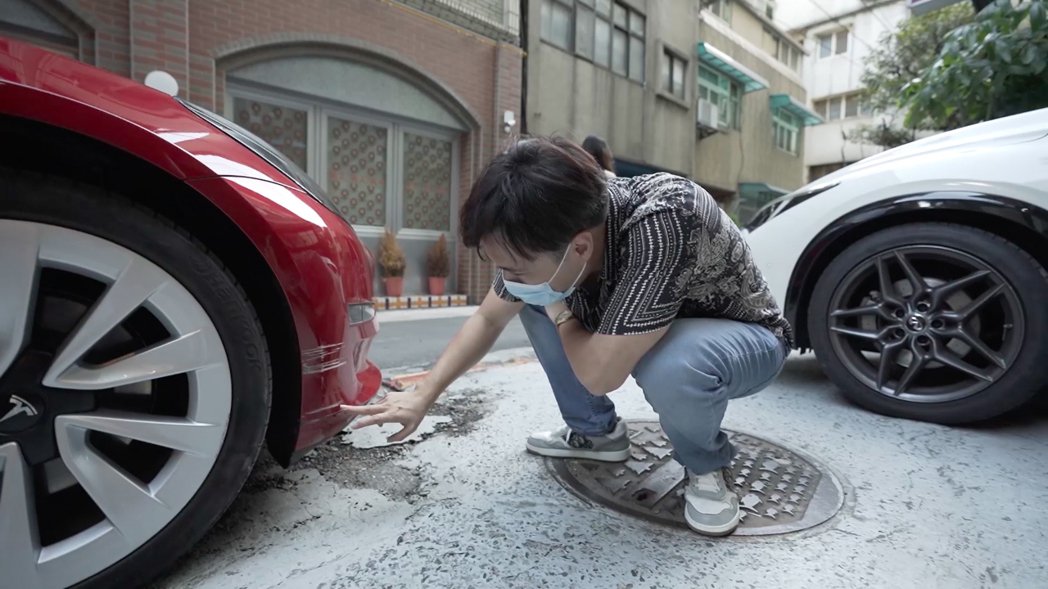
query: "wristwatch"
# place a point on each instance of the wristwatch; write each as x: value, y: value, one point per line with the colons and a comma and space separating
x: 563, y: 317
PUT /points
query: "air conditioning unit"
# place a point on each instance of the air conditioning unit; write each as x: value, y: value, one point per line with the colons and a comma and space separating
x: 708, y: 116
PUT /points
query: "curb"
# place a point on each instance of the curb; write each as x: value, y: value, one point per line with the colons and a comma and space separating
x: 403, y: 381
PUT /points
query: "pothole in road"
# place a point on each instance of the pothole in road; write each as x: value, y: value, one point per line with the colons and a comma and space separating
x: 780, y: 490
x: 375, y: 467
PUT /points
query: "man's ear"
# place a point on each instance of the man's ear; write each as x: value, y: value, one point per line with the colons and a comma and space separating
x: 583, y: 243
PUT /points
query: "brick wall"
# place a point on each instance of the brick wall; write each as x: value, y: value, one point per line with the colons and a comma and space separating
x: 110, y: 21
x: 159, y: 39
x: 195, y: 40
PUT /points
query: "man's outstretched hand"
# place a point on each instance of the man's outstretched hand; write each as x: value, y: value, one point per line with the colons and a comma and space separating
x: 404, y: 407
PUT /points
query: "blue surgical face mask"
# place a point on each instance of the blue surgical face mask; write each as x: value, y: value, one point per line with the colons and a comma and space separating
x: 543, y: 294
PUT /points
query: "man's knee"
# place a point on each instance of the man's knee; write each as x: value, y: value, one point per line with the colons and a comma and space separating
x: 669, y: 376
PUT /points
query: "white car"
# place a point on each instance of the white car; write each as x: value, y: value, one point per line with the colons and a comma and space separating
x: 918, y: 276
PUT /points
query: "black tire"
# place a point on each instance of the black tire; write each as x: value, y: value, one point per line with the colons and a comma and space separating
x: 85, y: 208
x: 1021, y: 275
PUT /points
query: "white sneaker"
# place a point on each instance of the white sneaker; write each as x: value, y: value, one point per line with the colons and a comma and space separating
x: 711, y: 506
x: 565, y: 443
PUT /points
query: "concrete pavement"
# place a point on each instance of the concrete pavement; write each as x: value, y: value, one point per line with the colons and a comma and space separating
x: 927, y: 506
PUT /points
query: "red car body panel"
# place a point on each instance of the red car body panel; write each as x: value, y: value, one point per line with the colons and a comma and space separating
x: 314, y: 254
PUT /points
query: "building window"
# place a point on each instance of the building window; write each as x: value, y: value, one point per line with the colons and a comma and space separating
x: 379, y: 171
x: 284, y: 127
x: 357, y: 170
x: 786, y: 128
x: 637, y: 22
x: 673, y: 73
x: 782, y: 49
x: 724, y: 93
x: 557, y: 23
x: 841, y: 42
x: 627, y: 42
x: 721, y: 8
x: 427, y: 182
x: 832, y: 43
x: 585, y: 22
x: 842, y: 107
x: 620, y: 44
x: 602, y: 34
x: 851, y: 106
x: 609, y: 33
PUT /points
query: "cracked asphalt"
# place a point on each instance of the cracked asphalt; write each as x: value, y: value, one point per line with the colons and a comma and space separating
x: 463, y: 505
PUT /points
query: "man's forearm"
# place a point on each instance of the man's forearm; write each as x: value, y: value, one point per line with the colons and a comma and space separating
x: 472, y: 342
x: 584, y: 360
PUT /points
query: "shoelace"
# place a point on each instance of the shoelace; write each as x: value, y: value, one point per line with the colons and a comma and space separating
x: 711, y: 482
x: 574, y: 439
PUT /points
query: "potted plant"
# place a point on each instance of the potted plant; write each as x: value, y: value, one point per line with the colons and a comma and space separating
x: 438, y: 266
x: 392, y: 262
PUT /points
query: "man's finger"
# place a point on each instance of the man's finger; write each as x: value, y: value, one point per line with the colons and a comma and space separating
x: 365, y: 409
x: 401, y: 435
x: 372, y: 420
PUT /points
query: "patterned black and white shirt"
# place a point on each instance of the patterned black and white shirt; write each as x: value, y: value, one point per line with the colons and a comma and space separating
x: 670, y: 253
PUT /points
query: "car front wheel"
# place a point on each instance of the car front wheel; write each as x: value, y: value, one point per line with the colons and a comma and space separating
x: 932, y: 321
x: 134, y: 387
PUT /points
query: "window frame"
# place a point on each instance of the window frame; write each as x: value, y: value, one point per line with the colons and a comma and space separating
x: 834, y: 45
x: 319, y: 110
x: 734, y: 122
x: 639, y: 36
x: 670, y: 56
x: 427, y: 131
x: 722, y: 9
x: 782, y: 122
x: 546, y: 34
x: 393, y: 140
x: 785, y: 52
x: 236, y: 89
x: 582, y: 8
x: 603, y: 14
x: 837, y: 42
x: 824, y: 105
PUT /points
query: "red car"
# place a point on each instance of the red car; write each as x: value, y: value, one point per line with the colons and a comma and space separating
x: 173, y: 293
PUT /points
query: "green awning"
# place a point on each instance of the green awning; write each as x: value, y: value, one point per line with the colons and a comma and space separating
x: 720, y: 61
x: 788, y: 104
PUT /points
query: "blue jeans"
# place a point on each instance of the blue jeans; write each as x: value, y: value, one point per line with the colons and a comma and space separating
x: 688, y: 377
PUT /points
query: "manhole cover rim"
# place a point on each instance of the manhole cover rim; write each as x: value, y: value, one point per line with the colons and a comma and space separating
x: 829, y: 489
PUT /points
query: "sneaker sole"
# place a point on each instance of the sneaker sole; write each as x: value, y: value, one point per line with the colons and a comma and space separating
x: 601, y: 456
x: 715, y: 531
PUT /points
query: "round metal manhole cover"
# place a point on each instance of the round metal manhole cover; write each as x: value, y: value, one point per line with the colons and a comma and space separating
x: 780, y: 490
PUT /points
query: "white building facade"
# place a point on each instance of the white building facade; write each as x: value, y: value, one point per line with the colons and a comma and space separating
x: 838, y: 35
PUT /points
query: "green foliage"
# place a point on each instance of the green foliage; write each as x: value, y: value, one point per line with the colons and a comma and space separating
x: 906, y: 53
x: 884, y: 135
x: 992, y: 67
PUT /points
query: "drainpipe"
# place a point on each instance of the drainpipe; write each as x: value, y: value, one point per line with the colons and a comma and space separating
x: 524, y: 12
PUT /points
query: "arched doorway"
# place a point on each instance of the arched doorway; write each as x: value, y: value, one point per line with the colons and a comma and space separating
x: 385, y: 147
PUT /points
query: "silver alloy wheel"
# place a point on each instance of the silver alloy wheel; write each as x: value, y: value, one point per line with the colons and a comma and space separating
x: 185, y: 441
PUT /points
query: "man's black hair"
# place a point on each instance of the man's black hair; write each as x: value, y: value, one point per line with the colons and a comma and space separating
x: 598, y: 148
x: 535, y: 197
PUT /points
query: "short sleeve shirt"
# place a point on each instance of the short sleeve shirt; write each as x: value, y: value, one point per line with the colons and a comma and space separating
x: 670, y: 253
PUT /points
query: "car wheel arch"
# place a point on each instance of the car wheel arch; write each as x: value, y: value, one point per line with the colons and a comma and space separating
x: 1020, y: 222
x: 47, y: 149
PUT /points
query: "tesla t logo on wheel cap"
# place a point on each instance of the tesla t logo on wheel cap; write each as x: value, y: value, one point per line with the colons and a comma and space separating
x: 19, y: 407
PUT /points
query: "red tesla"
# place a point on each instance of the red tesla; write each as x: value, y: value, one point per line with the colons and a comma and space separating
x: 173, y: 294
